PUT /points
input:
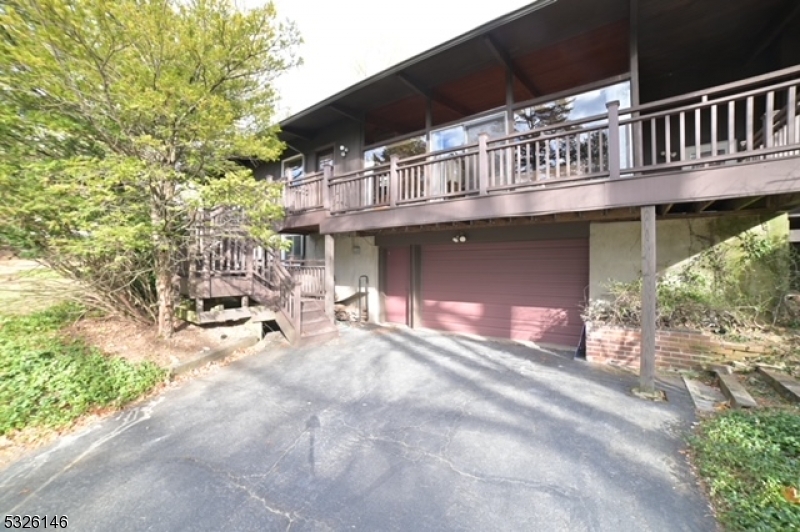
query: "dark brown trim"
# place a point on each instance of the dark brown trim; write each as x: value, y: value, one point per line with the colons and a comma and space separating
x: 504, y: 58
x: 774, y: 29
x: 772, y: 177
x: 487, y: 234
x: 435, y: 95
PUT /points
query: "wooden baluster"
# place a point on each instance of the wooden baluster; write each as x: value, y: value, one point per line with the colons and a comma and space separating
x: 613, y: 140
x: 732, y: 147
x: 750, y: 118
x: 327, y: 174
x: 668, y: 138
x: 653, y: 141
x: 682, y: 132
x: 588, y: 150
x: 698, y: 127
x: 769, y: 131
x: 394, y: 181
x: 558, y: 158
x: 601, y: 149
x: 483, y: 164
x: 714, y: 133
x: 791, y: 115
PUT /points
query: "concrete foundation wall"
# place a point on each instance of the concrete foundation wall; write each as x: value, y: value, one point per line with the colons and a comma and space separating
x: 354, y: 257
x: 615, y: 248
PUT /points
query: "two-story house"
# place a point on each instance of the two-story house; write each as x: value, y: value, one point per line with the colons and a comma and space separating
x: 493, y: 184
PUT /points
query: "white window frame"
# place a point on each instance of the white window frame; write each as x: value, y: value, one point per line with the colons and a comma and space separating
x: 292, y: 159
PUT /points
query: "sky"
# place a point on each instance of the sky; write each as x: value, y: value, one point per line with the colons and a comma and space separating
x: 349, y: 40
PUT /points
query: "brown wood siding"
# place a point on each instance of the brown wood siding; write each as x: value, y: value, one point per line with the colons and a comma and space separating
x: 520, y: 290
x: 398, y: 284
x: 592, y: 56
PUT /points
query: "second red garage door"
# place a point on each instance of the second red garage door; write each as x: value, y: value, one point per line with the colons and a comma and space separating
x: 520, y: 290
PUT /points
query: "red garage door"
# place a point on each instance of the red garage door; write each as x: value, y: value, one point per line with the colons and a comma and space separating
x: 520, y: 290
x: 398, y: 280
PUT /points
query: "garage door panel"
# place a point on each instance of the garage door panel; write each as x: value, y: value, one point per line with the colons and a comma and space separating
x: 521, y: 290
x: 398, y: 270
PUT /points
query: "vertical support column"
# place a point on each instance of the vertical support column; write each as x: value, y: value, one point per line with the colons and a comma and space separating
x: 613, y: 139
x: 510, y: 165
x: 249, y: 263
x: 483, y: 164
x: 633, y: 39
x: 327, y: 173
x: 394, y: 181
x: 330, y: 284
x: 647, y: 366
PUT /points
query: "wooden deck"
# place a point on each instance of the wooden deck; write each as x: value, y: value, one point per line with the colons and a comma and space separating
x: 224, y: 264
x: 723, y: 149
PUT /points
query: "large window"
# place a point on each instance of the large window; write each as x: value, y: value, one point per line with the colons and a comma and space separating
x: 404, y: 148
x: 577, y: 154
x: 298, y: 249
x: 293, y: 168
x: 468, y: 132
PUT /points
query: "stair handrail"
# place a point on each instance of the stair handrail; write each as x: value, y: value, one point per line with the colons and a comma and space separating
x: 288, y: 288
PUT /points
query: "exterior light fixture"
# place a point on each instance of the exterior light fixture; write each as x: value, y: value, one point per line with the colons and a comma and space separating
x: 459, y: 238
x: 343, y: 150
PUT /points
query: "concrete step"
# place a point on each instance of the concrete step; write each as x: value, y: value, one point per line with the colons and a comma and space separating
x: 785, y: 385
x: 705, y: 398
x: 317, y: 338
x: 314, y: 316
x: 735, y: 391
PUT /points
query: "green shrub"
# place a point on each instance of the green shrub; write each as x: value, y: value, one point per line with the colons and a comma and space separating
x: 49, y: 380
x: 751, y: 463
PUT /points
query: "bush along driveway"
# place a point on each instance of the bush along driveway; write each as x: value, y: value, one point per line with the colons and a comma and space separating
x: 751, y: 464
x: 380, y: 430
x: 48, y: 380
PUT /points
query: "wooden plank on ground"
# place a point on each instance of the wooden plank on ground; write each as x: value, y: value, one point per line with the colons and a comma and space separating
x: 734, y: 391
x: 783, y: 384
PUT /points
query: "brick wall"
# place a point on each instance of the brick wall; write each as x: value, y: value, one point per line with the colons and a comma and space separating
x: 674, y: 349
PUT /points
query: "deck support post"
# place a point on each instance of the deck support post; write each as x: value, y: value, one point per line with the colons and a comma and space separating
x: 647, y: 365
x: 613, y: 139
x: 327, y: 173
x: 330, y: 284
x: 483, y: 164
x: 249, y: 264
x: 394, y: 181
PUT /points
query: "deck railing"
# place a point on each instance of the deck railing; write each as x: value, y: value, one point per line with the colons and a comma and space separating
x: 311, y: 276
x: 304, y: 194
x: 745, y: 121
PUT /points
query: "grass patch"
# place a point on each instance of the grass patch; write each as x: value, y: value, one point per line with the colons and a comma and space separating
x: 751, y: 464
x: 48, y: 380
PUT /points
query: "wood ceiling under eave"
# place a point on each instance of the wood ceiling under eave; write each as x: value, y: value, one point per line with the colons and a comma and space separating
x: 688, y: 45
x: 595, y: 55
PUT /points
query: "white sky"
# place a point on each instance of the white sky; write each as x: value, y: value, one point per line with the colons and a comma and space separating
x: 349, y: 40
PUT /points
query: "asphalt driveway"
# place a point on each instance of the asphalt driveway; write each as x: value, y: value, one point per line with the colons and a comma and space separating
x: 378, y: 430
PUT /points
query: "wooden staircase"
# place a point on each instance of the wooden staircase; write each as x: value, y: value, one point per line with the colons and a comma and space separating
x: 224, y: 263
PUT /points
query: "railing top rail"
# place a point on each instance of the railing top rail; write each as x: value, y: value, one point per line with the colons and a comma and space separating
x: 704, y: 104
x: 316, y: 176
x: 358, y: 174
x: 732, y: 87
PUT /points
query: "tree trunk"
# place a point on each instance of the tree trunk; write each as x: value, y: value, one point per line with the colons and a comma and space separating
x: 166, y: 296
x: 163, y: 259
